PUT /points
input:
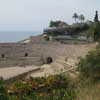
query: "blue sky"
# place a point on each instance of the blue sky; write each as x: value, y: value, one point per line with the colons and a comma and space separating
x: 34, y: 15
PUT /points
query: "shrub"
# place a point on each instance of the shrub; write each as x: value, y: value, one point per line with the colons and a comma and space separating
x: 90, y: 65
x: 3, y: 92
x: 94, y: 31
x: 55, y: 87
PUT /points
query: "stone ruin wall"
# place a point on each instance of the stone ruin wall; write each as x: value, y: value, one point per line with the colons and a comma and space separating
x: 21, y: 54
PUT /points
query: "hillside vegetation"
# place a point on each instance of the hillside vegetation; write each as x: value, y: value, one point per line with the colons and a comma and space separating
x: 51, y: 88
x: 59, y: 87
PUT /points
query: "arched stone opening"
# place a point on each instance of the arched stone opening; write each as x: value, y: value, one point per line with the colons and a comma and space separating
x: 26, y: 54
x: 49, y: 60
x: 2, y: 56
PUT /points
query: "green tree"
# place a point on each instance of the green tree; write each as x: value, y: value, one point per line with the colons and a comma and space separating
x: 75, y: 17
x: 81, y: 18
x: 94, y: 31
x: 51, y: 24
x: 3, y: 92
x: 97, y: 31
x: 90, y: 65
x: 54, y: 23
x: 96, y: 17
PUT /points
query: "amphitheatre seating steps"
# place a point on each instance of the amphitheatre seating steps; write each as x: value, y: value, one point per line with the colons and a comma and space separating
x: 20, y: 61
x: 67, y: 61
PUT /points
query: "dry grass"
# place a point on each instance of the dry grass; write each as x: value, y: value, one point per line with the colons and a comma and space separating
x: 89, y: 93
x: 86, y: 88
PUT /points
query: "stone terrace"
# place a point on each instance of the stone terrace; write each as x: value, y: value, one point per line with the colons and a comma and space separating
x: 36, y: 53
x: 13, y: 54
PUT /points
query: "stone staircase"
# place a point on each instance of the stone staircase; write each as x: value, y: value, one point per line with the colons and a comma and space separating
x: 18, y: 58
x: 57, y: 67
x: 65, y: 66
x: 21, y: 61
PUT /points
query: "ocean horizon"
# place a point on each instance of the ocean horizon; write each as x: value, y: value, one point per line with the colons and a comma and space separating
x: 15, y: 36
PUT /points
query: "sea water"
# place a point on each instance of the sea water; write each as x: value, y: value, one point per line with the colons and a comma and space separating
x: 14, y: 36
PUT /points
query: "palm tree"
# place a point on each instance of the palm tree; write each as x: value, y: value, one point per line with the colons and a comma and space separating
x: 75, y: 17
x: 81, y: 18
